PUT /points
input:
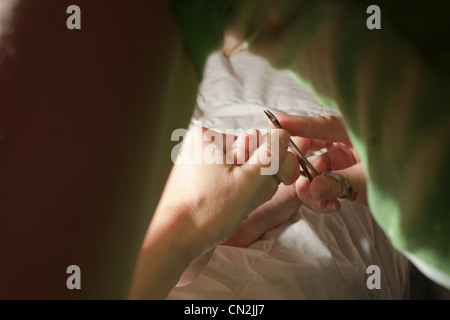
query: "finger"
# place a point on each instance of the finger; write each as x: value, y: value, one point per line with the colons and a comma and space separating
x: 266, y: 217
x: 245, y: 145
x: 304, y: 194
x: 307, y: 144
x: 259, y: 172
x: 320, y: 206
x: 228, y: 140
x: 253, y: 137
x: 270, y: 153
x: 208, y: 136
x: 326, y: 188
x: 320, y: 162
x: 340, y: 156
x: 317, y: 127
x: 289, y: 169
x: 213, y: 146
x: 303, y: 187
x: 319, y: 144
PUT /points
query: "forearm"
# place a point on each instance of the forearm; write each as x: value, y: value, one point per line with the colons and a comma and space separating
x: 165, y: 254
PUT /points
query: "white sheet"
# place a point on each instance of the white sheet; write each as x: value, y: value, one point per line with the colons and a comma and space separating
x: 311, y: 256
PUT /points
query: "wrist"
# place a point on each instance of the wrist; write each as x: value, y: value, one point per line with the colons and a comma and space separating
x: 169, y: 229
x: 168, y: 249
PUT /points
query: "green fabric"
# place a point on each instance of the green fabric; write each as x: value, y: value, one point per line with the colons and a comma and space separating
x: 392, y: 87
x: 202, y: 24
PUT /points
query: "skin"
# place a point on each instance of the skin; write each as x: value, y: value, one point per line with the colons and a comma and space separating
x: 312, y: 134
x: 85, y: 121
x: 85, y: 153
x: 191, y: 221
x: 309, y: 134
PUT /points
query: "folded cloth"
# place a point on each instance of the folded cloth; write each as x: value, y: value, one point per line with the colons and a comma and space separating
x: 310, y: 256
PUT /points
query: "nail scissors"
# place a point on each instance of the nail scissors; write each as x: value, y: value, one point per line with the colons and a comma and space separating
x: 303, y: 161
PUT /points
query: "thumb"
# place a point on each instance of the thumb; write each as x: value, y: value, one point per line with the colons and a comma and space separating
x: 326, y: 188
x: 270, y: 153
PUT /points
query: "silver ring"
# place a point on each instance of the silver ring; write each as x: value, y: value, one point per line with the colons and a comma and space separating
x: 342, y: 181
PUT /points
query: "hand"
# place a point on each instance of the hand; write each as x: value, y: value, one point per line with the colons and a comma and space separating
x: 269, y: 215
x: 203, y: 204
x: 315, y: 133
x: 213, y: 199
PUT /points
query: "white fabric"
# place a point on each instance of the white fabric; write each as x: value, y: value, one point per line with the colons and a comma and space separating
x: 235, y: 92
x: 310, y: 256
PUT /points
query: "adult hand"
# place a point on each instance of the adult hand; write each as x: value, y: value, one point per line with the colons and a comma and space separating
x: 316, y: 133
x: 266, y: 217
x: 269, y: 215
x: 213, y: 199
x: 203, y: 204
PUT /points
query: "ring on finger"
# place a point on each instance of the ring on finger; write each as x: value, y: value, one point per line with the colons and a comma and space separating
x: 342, y: 181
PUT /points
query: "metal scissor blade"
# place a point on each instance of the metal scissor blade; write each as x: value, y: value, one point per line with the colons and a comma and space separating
x: 300, y: 154
x: 274, y: 119
x: 301, y: 158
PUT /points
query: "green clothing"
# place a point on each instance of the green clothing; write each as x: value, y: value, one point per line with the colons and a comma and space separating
x: 392, y: 86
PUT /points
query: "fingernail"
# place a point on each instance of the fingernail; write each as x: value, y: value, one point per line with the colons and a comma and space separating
x: 321, y: 190
x: 294, y: 178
